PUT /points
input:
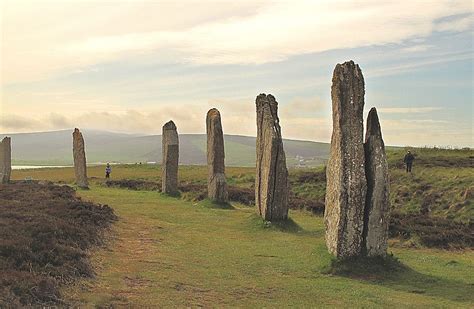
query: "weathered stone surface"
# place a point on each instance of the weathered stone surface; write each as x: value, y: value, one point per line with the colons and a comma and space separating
x: 5, y: 160
x: 216, y: 182
x: 79, y: 153
x: 169, y: 164
x: 271, y: 179
x: 346, y: 183
x: 377, y: 206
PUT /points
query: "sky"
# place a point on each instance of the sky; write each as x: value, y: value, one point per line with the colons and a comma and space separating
x: 130, y: 66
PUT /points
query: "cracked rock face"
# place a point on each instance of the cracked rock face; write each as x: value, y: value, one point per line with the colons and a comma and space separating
x: 5, y: 160
x: 169, y: 165
x: 79, y: 153
x: 377, y: 207
x: 216, y: 184
x: 271, y: 179
x: 346, y: 182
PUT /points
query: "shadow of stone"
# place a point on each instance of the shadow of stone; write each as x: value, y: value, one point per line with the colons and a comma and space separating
x: 176, y: 194
x: 391, y: 273
x: 207, y: 203
x: 286, y: 226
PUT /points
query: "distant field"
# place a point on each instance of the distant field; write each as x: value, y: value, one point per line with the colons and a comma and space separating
x: 442, y: 180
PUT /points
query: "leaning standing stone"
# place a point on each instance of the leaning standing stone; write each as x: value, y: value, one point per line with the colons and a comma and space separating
x: 5, y: 160
x: 271, y: 179
x: 216, y: 184
x: 346, y: 183
x: 169, y: 164
x: 79, y: 154
x: 377, y: 207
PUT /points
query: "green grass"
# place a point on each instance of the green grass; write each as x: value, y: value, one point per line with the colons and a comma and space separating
x: 175, y: 253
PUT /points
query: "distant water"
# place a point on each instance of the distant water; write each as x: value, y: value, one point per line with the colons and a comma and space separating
x: 25, y: 167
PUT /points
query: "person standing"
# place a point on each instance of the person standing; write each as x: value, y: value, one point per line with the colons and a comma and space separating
x: 108, y: 170
x: 409, y: 158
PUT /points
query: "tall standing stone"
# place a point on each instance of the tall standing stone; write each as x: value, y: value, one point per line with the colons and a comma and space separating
x: 216, y: 183
x: 271, y: 179
x: 5, y: 160
x: 346, y: 183
x: 377, y: 206
x: 169, y: 164
x: 79, y: 153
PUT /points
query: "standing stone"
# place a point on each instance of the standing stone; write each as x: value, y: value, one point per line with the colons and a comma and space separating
x: 216, y: 182
x: 271, y: 180
x: 377, y: 206
x: 169, y: 164
x: 346, y: 183
x: 79, y: 154
x: 5, y: 160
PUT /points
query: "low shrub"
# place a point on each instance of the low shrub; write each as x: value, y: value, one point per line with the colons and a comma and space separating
x: 45, y: 232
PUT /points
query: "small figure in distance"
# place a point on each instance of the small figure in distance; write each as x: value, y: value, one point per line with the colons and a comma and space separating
x: 408, y: 160
x: 108, y: 170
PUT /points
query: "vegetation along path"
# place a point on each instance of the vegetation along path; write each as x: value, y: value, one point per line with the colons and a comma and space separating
x: 169, y: 252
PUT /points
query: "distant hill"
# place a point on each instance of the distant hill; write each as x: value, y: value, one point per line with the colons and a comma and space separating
x: 55, y: 148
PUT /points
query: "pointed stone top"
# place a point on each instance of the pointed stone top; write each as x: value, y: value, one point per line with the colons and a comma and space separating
x: 169, y: 125
x: 213, y: 112
x: 6, y: 139
x: 265, y: 97
x: 373, y: 124
x: 348, y: 67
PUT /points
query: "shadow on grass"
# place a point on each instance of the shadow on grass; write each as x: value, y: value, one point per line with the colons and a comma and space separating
x: 287, y: 226
x: 207, y: 203
x: 391, y: 273
x: 176, y: 194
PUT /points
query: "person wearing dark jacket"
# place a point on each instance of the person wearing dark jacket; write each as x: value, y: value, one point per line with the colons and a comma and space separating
x: 408, y: 160
x: 108, y: 170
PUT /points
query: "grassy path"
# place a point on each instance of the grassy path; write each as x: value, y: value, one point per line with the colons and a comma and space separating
x: 167, y: 252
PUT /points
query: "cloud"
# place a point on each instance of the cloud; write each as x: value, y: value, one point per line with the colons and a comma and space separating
x: 205, y: 32
x: 404, y: 67
x: 58, y: 121
x: 416, y: 48
x: 425, y: 132
x: 303, y: 107
x: 17, y: 123
x: 298, y: 118
x: 456, y: 24
x: 238, y: 117
x: 408, y: 110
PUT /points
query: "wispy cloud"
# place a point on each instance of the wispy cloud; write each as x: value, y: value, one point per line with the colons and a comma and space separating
x: 408, y: 110
x: 413, y: 64
x: 456, y: 23
x: 416, y: 48
x: 250, y: 32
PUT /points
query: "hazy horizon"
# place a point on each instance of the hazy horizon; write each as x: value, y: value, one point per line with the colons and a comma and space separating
x: 136, y: 64
x: 145, y: 134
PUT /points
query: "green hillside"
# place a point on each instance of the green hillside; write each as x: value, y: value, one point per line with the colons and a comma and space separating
x: 55, y: 148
